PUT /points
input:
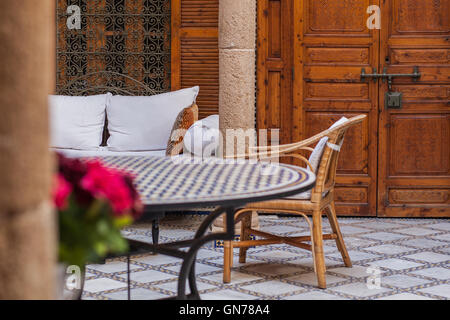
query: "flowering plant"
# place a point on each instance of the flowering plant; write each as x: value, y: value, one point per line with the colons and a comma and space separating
x: 93, y: 202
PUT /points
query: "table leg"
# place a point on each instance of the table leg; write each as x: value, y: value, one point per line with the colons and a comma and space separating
x: 187, y: 272
x: 128, y: 277
x: 155, y: 231
x: 188, y: 266
x: 193, y: 283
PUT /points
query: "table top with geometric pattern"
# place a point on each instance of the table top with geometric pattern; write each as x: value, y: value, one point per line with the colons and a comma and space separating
x: 183, y: 182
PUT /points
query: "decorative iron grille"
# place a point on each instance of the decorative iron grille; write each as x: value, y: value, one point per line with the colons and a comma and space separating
x: 122, y: 44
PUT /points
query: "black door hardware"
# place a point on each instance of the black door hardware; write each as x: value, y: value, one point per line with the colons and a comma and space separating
x: 393, y: 100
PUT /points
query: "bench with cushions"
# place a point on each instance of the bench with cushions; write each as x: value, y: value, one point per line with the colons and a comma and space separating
x: 107, y: 124
x: 110, y: 114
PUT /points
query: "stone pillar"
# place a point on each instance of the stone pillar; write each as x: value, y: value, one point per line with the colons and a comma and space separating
x: 237, y: 42
x: 237, y: 36
x: 27, y: 222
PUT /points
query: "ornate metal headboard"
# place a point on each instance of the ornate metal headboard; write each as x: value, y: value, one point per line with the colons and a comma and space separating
x: 102, y: 82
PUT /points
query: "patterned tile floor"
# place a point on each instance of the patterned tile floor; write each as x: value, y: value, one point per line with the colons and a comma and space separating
x: 411, y: 256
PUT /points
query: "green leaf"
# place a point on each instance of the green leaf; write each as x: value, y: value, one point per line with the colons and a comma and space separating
x: 123, y: 221
x: 100, y: 248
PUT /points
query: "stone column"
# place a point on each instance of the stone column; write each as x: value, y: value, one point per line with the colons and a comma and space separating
x: 237, y: 42
x: 27, y: 223
x: 237, y: 36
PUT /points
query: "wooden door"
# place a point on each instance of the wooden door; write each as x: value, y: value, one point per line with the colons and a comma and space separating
x: 331, y: 45
x: 396, y: 163
x: 414, y: 143
x: 274, y: 68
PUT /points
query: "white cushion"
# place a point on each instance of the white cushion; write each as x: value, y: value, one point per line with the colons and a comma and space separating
x: 315, y: 158
x: 301, y: 196
x: 202, y: 139
x: 77, y: 122
x: 304, y: 196
x: 316, y: 155
x: 144, y: 123
x: 103, y: 152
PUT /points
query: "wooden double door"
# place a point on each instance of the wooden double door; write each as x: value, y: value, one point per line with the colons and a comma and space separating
x: 310, y: 58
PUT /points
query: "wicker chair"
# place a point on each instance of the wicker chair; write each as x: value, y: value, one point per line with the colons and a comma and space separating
x: 319, y: 199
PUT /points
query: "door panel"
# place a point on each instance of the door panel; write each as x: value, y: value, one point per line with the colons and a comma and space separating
x: 331, y: 46
x: 414, y: 152
x: 274, y: 67
x: 418, y: 16
x: 427, y: 136
x: 336, y: 16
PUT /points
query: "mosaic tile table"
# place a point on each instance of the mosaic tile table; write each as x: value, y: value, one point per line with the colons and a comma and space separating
x: 167, y: 184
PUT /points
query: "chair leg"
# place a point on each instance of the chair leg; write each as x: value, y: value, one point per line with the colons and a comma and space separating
x: 331, y: 213
x: 227, y: 260
x: 246, y: 223
x: 319, y: 259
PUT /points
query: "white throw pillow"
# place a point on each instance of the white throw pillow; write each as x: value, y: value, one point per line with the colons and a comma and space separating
x: 77, y: 122
x: 315, y: 158
x: 144, y: 123
x: 203, y: 138
x: 316, y: 155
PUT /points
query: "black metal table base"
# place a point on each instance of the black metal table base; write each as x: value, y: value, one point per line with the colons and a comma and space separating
x: 187, y: 272
x: 155, y: 231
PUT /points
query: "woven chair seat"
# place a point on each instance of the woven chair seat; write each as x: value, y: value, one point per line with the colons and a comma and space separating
x: 304, y: 196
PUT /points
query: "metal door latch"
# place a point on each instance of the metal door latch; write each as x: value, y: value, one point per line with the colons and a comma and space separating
x: 415, y: 75
x: 392, y: 99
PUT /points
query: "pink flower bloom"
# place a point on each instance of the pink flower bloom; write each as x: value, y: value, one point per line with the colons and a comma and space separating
x: 61, y: 192
x: 108, y: 183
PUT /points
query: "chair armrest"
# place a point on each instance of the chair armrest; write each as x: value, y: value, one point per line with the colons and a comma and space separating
x: 271, y: 152
x: 300, y: 157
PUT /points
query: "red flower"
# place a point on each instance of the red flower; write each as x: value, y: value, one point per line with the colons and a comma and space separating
x: 61, y: 192
x: 110, y: 184
x: 91, y: 179
x: 73, y: 170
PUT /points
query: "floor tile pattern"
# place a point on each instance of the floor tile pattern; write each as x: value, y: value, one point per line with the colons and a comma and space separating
x: 393, y: 259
